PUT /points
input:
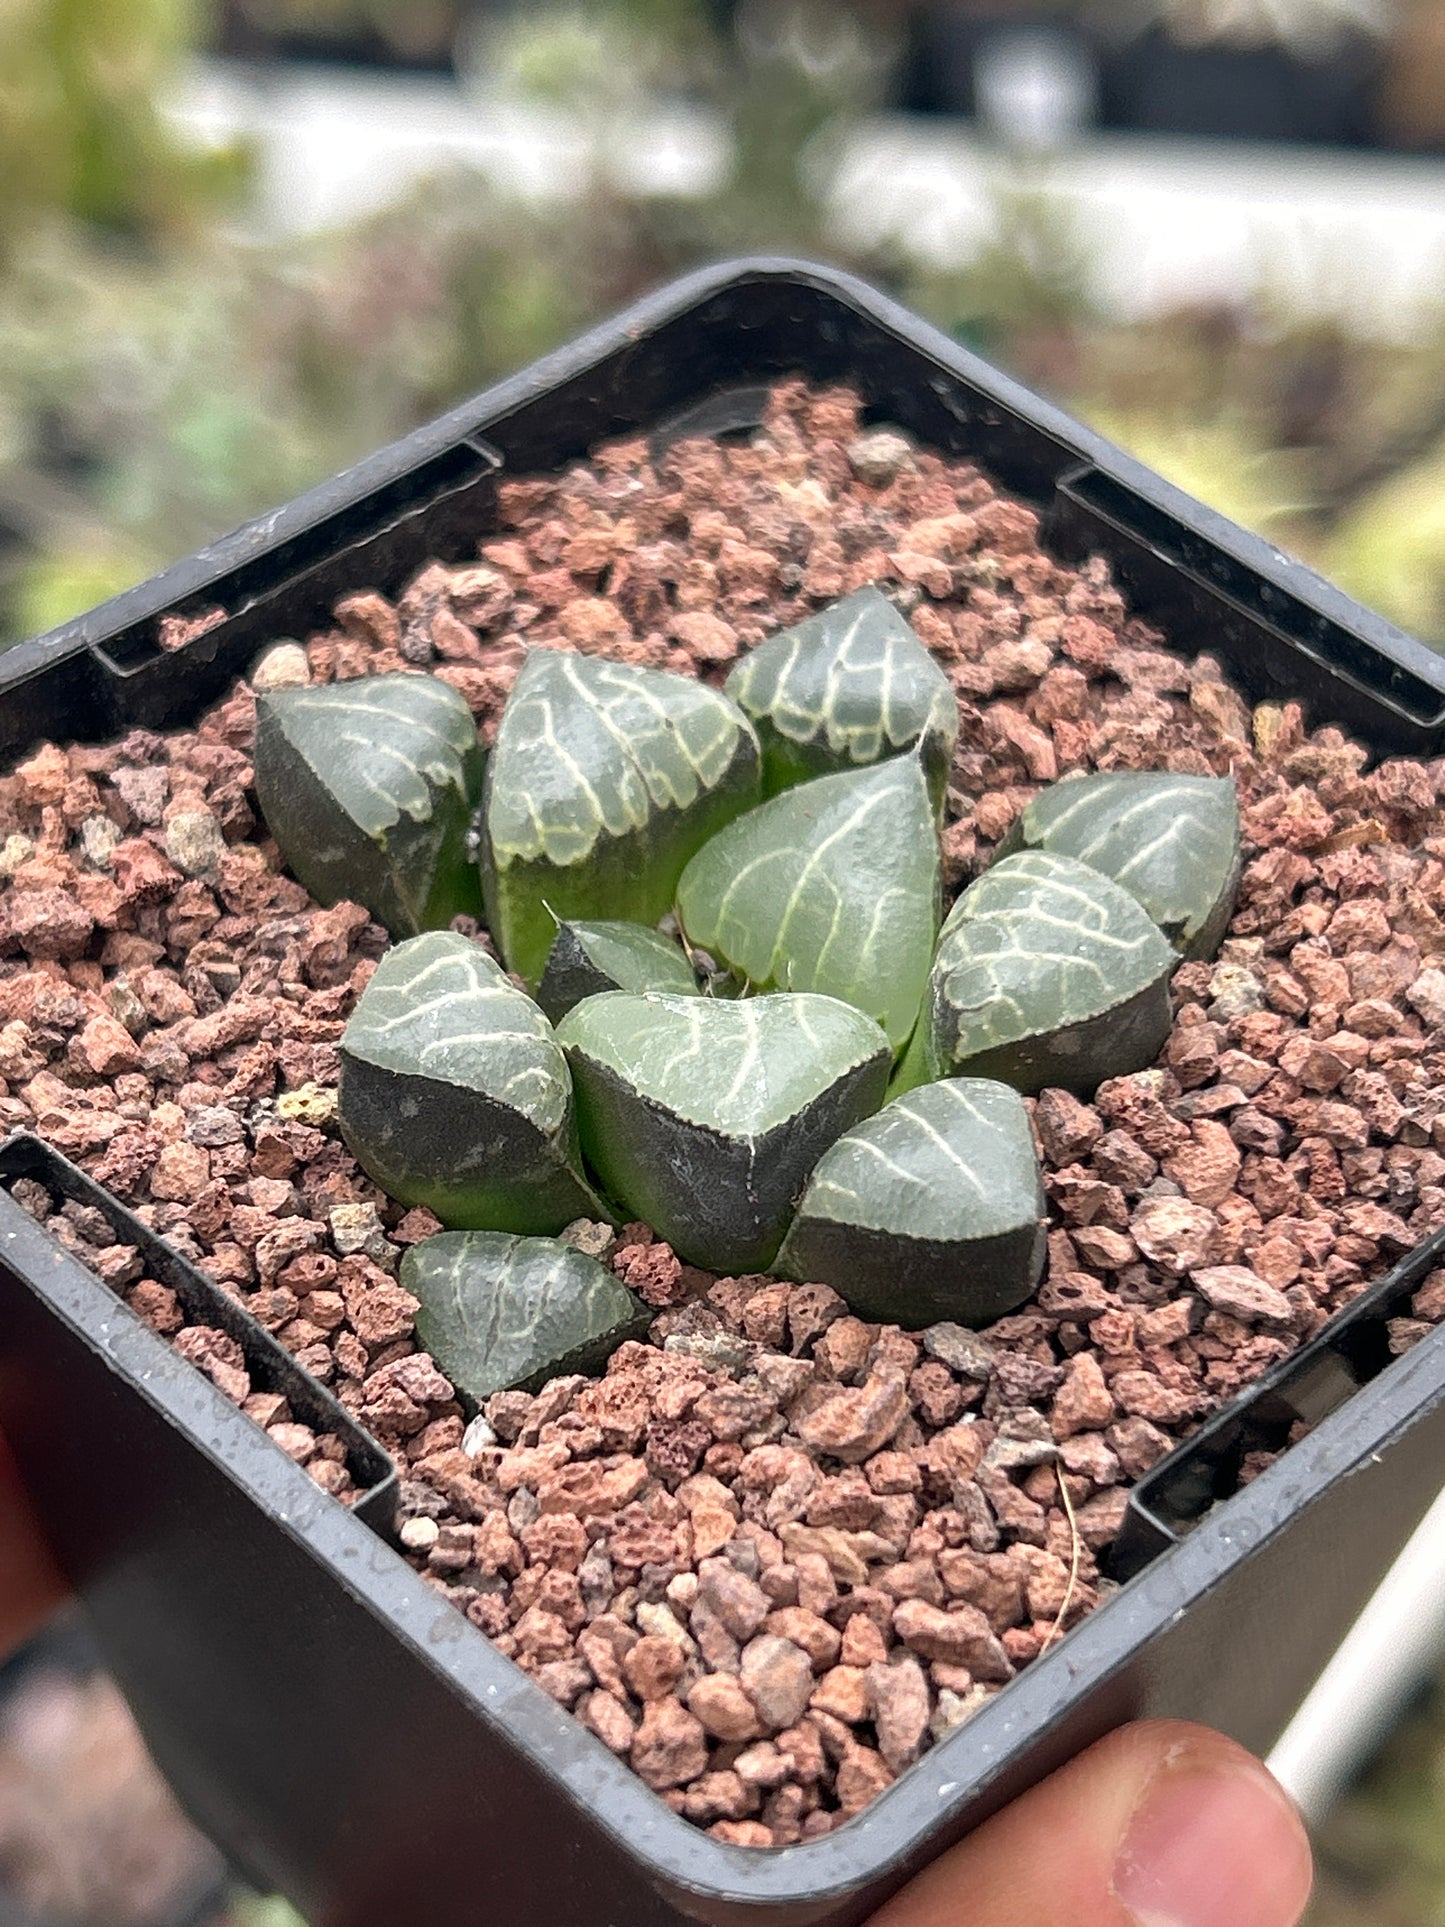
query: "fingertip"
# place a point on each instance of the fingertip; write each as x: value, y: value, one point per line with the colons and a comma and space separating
x: 1160, y: 1824
x: 1213, y: 1840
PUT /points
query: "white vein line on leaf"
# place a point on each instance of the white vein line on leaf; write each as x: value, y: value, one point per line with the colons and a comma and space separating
x: 564, y: 755
x: 472, y: 994
x: 745, y: 1064
x: 694, y: 1050
x: 801, y: 1018
x: 1144, y: 806
x: 357, y: 706
x: 885, y: 695
x: 447, y: 966
x: 930, y: 1131
x: 463, y: 1039
x: 820, y: 851
x: 836, y: 927
x: 669, y: 729
x: 867, y: 1146
x: 1141, y: 857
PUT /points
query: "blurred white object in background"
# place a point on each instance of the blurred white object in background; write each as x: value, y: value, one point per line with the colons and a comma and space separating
x: 1036, y: 88
x: 1162, y: 223
x: 1391, y: 1650
x: 1309, y: 28
x: 335, y: 144
x: 1168, y: 223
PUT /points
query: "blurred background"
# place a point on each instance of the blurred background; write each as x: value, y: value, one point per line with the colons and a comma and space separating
x: 242, y: 243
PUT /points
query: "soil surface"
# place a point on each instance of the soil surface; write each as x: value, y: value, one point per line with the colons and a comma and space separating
x: 775, y: 1554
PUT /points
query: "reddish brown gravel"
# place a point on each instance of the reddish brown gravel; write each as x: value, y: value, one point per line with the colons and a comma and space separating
x: 88, y: 1235
x: 776, y: 1552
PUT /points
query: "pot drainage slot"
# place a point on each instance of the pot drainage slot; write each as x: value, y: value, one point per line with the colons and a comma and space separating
x: 271, y: 1367
x: 1209, y: 600
x: 1294, y: 1397
x: 438, y: 510
x: 729, y: 414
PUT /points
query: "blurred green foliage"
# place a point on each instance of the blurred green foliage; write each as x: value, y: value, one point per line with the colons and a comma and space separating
x: 162, y: 377
x: 1382, y: 1853
x: 249, y: 1910
x: 1332, y: 446
x: 81, y: 132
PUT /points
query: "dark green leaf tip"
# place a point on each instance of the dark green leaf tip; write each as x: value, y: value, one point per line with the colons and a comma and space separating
x: 832, y: 887
x: 367, y: 787
x: 847, y: 687
x: 588, y: 959
x: 501, y: 1313
x: 1171, y: 840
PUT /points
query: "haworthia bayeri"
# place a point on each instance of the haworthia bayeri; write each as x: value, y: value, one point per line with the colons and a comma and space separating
x: 932, y: 1210
x: 1172, y: 841
x: 1047, y: 974
x: 929, y: 1211
x: 848, y: 686
x: 368, y: 787
x: 832, y: 887
x: 706, y: 1117
x: 500, y: 1313
x: 603, y: 782
x: 455, y: 1093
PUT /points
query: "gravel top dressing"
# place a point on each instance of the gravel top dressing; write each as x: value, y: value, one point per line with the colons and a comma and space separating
x: 773, y: 1552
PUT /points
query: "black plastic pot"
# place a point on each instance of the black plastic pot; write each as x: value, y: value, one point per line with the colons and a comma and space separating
x: 345, y: 1735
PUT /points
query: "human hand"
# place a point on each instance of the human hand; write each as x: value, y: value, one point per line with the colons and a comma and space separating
x: 1159, y: 1825
x: 29, y: 1583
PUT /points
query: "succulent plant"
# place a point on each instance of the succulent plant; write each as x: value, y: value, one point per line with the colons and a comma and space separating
x: 368, y: 788
x: 455, y: 1093
x: 931, y: 1211
x: 749, y: 1129
x: 1172, y: 841
x: 500, y: 1312
x: 832, y: 887
x: 707, y: 1116
x: 603, y: 782
x: 1047, y: 975
x: 587, y: 959
x: 849, y: 686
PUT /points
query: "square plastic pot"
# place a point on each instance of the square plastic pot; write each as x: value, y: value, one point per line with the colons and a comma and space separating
x: 348, y: 1737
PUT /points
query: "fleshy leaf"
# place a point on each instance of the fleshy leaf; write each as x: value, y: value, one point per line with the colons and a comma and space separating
x: 832, y: 887
x: 1172, y: 841
x: 368, y: 788
x: 455, y: 1093
x: 603, y: 782
x: 588, y: 959
x: 933, y: 1210
x: 1047, y: 975
x: 502, y: 1313
x: 705, y: 1118
x: 849, y: 686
